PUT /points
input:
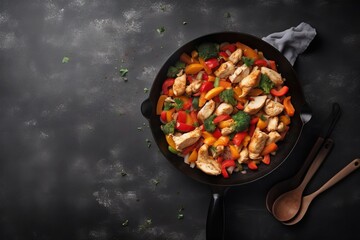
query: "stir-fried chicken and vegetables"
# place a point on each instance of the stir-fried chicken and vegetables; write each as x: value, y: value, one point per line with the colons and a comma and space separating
x: 224, y: 108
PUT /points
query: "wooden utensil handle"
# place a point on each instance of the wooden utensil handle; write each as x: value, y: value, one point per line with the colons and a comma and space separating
x: 317, y: 162
x: 355, y: 164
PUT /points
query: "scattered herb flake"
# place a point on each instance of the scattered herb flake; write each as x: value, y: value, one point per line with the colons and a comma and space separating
x: 162, y: 8
x: 139, y: 128
x: 180, y: 216
x: 146, y: 224
x: 248, y: 61
x: 123, y: 173
x: 184, y: 23
x: 160, y: 30
x: 146, y: 90
x: 227, y: 15
x: 155, y: 181
x: 125, y: 223
x: 123, y: 72
x: 65, y: 59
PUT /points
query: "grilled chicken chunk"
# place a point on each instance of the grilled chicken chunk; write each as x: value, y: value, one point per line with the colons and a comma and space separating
x: 274, y: 136
x: 255, y: 105
x: 274, y: 76
x: 179, y: 85
x: 236, y: 56
x: 225, y: 70
x: 249, y: 82
x: 240, y: 73
x: 206, y: 163
x: 244, y: 155
x: 273, y: 124
x: 187, y: 139
x: 273, y: 108
x: 206, y: 110
x: 193, y: 87
x: 257, y: 143
x: 224, y: 108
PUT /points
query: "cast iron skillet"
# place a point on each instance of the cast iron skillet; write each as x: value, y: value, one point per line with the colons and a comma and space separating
x: 219, y: 185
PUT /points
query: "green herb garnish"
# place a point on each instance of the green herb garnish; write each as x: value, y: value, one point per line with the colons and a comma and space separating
x: 160, y: 30
x: 228, y: 96
x: 65, y: 60
x: 248, y: 61
x: 208, y: 50
x: 123, y: 72
x: 168, y: 128
x: 209, y: 124
x: 266, y: 84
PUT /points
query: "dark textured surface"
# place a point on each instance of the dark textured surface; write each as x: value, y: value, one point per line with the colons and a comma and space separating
x: 68, y: 131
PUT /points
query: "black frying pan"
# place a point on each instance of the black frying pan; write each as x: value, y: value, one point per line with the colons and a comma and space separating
x: 215, y: 221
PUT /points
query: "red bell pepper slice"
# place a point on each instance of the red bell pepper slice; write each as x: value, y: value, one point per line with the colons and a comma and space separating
x: 183, y: 127
x: 212, y: 63
x: 181, y: 117
x: 188, y: 104
x: 205, y: 76
x: 189, y: 148
x: 217, y: 133
x: 225, y: 164
x: 252, y: 165
x: 167, y: 83
x: 254, y: 120
x: 251, y: 129
x: 272, y: 65
x: 266, y: 159
x: 261, y: 63
x: 206, y: 86
x: 224, y: 55
x: 163, y: 116
x: 281, y: 92
x: 240, y: 106
x: 230, y: 47
x: 219, y: 159
x: 221, y: 118
x: 238, y: 138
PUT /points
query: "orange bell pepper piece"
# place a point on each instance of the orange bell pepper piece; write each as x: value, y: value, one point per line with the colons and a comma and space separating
x: 272, y: 147
x: 222, y: 141
x: 214, y: 92
x: 202, y: 99
x: 185, y: 58
x: 193, y: 156
x: 169, y: 114
x: 285, y: 119
x: 289, y: 108
x: 225, y: 84
x: 193, y: 68
x: 234, y: 152
x: 170, y: 141
x: 160, y: 104
x: 206, y: 68
x: 247, y: 51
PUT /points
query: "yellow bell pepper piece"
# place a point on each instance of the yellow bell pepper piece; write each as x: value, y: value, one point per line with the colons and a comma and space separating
x: 285, y: 119
x: 206, y: 68
x: 210, y: 140
x: 206, y: 134
x: 214, y: 92
x: 226, y: 123
x: 170, y: 141
x: 169, y: 114
x: 234, y: 152
x: 247, y: 51
x: 160, y: 104
x: 202, y: 99
x: 193, y: 156
x: 261, y: 124
x: 221, y: 141
x: 193, y: 68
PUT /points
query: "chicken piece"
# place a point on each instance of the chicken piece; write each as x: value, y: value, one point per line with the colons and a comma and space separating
x: 273, y: 108
x: 257, y: 144
x: 179, y: 85
x: 206, y: 110
x: 274, y: 76
x: 227, y: 130
x: 273, y: 124
x: 281, y: 127
x: 249, y: 82
x: 224, y: 108
x: 215, y: 152
x: 187, y: 139
x: 193, y: 87
x: 244, y: 155
x: 206, y: 163
x: 274, y: 136
x: 240, y: 73
x: 236, y: 56
x: 225, y: 70
x: 255, y: 105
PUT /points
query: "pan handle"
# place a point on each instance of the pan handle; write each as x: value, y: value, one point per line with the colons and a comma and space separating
x: 215, y: 223
x: 146, y: 108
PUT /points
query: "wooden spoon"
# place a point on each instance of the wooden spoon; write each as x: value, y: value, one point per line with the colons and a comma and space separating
x: 287, y: 205
x: 355, y: 164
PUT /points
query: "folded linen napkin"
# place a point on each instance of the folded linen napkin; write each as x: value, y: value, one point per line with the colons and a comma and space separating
x: 292, y: 41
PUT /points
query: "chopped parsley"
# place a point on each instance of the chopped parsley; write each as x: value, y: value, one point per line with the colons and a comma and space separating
x: 160, y: 30
x: 125, y: 223
x: 248, y: 61
x: 65, y: 60
x: 148, y: 143
x: 146, y: 90
x: 227, y: 15
x: 168, y: 127
x: 266, y: 84
x: 209, y: 124
x: 208, y: 50
x: 123, y: 72
x: 178, y: 103
x: 174, y: 70
x: 228, y: 96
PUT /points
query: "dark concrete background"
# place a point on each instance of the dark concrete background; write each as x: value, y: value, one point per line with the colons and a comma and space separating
x: 69, y: 131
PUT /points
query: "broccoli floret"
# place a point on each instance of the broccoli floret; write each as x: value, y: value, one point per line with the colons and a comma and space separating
x: 228, y: 96
x: 209, y: 124
x: 208, y: 50
x: 241, y: 121
x: 168, y: 127
x: 266, y: 84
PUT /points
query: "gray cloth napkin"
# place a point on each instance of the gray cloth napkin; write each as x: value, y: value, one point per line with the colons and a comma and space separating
x: 292, y: 41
